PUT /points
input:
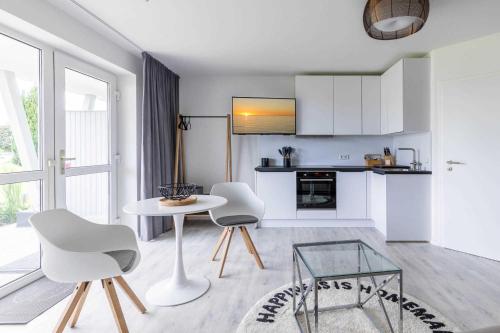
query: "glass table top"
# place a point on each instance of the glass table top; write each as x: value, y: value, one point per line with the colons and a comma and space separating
x: 342, y: 258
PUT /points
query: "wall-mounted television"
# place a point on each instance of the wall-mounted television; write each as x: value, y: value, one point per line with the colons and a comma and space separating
x: 262, y: 115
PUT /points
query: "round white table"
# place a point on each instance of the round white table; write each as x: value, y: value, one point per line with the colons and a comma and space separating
x: 179, y: 288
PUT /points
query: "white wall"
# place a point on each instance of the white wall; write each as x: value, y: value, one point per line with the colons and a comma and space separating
x: 421, y: 142
x: 324, y: 150
x: 129, y: 115
x: 205, y: 142
x: 473, y: 58
x: 41, y: 20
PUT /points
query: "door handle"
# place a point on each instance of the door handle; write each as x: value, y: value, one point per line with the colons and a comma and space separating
x: 316, y: 180
x: 63, y: 159
x: 454, y: 162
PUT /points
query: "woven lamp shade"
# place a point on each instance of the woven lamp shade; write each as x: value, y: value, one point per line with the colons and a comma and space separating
x: 393, y: 19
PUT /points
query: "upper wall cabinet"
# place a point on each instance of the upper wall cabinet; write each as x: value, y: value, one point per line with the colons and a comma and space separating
x: 314, y: 95
x: 347, y: 105
x: 405, y: 97
x: 396, y: 102
x: 370, y: 104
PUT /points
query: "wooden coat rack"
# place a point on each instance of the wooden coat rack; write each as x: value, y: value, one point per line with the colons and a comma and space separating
x: 179, y: 149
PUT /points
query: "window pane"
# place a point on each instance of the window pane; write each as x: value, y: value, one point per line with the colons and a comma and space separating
x: 88, y: 196
x: 19, y: 247
x: 87, y: 121
x: 19, y: 106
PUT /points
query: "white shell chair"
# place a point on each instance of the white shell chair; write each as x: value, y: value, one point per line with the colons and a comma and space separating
x: 243, y: 208
x: 77, y: 250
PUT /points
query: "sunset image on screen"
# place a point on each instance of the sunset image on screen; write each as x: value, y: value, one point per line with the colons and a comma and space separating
x: 263, y: 116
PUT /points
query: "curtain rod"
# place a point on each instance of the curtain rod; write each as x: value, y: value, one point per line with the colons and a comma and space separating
x: 76, y: 3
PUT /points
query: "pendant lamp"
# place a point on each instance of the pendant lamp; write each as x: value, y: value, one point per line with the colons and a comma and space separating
x: 393, y: 19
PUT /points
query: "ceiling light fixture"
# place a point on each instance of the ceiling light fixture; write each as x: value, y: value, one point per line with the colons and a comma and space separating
x: 393, y: 19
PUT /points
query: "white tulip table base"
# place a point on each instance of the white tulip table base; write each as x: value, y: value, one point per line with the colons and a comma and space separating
x: 170, y: 292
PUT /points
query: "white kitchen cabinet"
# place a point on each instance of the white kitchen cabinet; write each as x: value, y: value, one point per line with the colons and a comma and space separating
x: 279, y: 193
x: 347, y: 105
x: 351, y: 195
x: 392, y: 99
x: 378, y: 202
x: 314, y: 104
x: 405, y: 97
x: 401, y: 206
x: 370, y: 105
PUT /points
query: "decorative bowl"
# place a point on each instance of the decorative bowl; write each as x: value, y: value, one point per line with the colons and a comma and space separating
x: 177, y: 191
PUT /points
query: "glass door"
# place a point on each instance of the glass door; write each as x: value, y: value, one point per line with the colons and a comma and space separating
x: 85, y: 139
x: 24, y: 145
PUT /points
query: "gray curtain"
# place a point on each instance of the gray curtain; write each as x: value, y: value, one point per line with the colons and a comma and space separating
x: 159, y: 113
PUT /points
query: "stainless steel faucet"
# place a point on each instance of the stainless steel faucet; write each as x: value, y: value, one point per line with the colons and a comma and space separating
x: 414, y: 165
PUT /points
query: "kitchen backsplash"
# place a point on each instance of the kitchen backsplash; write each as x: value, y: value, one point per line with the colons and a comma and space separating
x: 421, y: 142
x: 323, y: 150
x: 334, y: 150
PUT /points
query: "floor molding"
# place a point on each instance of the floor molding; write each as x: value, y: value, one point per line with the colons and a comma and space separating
x: 317, y: 223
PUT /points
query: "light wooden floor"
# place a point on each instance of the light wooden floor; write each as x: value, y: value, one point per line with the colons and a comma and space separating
x: 464, y: 288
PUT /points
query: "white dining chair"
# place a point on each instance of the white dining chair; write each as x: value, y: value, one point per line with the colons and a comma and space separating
x: 243, y: 208
x: 79, y: 251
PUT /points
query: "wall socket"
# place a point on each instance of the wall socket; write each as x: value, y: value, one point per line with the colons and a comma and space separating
x: 344, y: 157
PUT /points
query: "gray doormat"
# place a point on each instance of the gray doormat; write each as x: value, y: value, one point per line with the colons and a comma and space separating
x: 24, y: 264
x: 27, y: 303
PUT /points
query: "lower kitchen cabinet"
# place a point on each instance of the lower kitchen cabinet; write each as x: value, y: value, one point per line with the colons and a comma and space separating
x: 279, y: 193
x: 351, y: 195
x: 401, y: 206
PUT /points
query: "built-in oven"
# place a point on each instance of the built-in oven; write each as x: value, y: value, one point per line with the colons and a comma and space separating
x: 316, y: 189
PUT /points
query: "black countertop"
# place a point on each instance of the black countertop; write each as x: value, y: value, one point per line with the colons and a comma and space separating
x: 385, y: 170
x: 398, y: 171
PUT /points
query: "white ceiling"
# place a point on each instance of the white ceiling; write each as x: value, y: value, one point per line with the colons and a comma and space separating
x: 280, y: 36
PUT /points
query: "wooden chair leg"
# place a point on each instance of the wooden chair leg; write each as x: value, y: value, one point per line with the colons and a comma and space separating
x: 245, y: 239
x: 130, y: 293
x: 81, y: 302
x: 70, y: 307
x: 254, y: 250
x: 114, y: 303
x: 226, y: 249
x: 219, y: 243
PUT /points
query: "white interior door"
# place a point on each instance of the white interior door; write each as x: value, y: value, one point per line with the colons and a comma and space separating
x: 85, y: 139
x: 471, y: 135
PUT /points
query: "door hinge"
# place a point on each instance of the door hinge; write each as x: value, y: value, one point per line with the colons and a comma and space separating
x: 117, y: 95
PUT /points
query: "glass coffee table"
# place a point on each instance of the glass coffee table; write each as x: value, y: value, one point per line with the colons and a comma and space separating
x: 327, y: 261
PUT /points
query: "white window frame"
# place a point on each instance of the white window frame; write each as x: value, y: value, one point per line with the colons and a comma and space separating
x: 46, y: 119
x: 47, y: 135
x: 61, y: 62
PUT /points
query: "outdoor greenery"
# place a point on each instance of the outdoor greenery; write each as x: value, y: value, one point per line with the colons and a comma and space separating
x: 12, y: 198
x: 30, y: 103
x: 13, y: 202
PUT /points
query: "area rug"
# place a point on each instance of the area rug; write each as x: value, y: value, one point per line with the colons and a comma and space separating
x: 27, y: 303
x: 25, y: 264
x: 273, y: 313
